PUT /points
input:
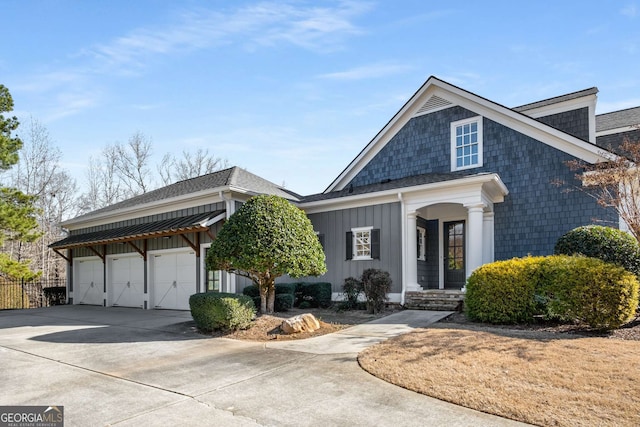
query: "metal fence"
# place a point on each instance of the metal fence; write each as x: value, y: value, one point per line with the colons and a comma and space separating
x: 15, y: 294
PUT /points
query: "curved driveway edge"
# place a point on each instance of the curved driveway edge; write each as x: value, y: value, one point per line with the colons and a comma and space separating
x: 130, y: 367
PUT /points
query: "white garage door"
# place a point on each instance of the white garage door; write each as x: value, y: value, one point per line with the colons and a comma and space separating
x: 173, y: 279
x: 126, y: 281
x: 88, y: 281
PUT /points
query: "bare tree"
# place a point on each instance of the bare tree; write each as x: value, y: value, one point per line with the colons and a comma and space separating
x: 173, y: 169
x: 132, y: 163
x: 103, y: 184
x: 615, y: 183
x: 39, y: 174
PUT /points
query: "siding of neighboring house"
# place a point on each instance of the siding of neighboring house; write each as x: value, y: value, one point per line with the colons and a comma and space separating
x: 534, y: 214
x: 614, y: 141
x: 335, y: 224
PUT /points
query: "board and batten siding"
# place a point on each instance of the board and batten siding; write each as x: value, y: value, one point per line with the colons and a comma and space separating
x: 334, y: 225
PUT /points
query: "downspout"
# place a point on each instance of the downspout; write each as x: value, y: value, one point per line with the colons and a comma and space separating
x: 404, y: 250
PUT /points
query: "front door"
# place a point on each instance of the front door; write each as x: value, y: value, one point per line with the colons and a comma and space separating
x: 454, y: 255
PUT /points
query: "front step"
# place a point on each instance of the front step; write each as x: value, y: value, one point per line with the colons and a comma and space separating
x: 435, y: 299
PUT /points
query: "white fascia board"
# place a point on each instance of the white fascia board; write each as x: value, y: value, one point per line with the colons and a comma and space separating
x: 561, y: 107
x: 441, y: 192
x: 211, y: 195
x: 617, y: 130
x: 498, y: 113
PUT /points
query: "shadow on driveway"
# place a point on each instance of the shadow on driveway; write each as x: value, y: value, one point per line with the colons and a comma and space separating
x: 94, y: 324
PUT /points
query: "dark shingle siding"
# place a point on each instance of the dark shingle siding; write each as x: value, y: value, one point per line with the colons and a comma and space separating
x: 534, y: 214
x: 574, y: 122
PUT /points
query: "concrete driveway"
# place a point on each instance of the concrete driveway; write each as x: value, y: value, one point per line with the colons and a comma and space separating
x: 131, y: 367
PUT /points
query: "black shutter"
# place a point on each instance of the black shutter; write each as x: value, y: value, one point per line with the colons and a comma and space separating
x: 321, y: 239
x: 375, y: 243
x: 349, y: 247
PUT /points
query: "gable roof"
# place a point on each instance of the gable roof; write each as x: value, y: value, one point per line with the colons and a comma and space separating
x: 436, y: 94
x: 557, y: 99
x: 234, y: 178
x: 621, y: 119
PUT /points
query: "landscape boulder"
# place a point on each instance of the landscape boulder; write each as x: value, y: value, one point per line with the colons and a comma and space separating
x: 306, y: 322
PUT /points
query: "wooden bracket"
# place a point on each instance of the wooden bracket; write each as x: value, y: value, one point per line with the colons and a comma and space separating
x: 62, y: 255
x: 92, y: 249
x: 137, y: 249
x: 190, y: 243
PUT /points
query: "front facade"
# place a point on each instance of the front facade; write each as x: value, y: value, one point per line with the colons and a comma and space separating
x: 453, y: 181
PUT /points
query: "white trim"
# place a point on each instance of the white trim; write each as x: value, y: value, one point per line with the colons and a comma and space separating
x: 453, y: 139
x: 492, y: 185
x: 354, y: 244
x: 616, y: 130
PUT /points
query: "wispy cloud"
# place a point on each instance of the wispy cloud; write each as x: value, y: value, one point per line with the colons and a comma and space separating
x: 372, y: 71
x: 259, y: 26
x: 630, y: 11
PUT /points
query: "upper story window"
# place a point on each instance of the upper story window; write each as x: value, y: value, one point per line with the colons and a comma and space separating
x: 466, y: 144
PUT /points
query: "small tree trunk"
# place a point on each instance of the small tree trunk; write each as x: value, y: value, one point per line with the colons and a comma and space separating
x: 263, y: 298
x: 271, y: 301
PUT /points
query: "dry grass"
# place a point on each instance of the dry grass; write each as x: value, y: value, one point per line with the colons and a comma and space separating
x: 538, y: 377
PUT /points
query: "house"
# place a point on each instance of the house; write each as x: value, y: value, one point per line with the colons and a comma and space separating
x: 451, y: 182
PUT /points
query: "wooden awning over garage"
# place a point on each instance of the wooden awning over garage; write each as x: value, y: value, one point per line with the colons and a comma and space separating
x: 167, y: 227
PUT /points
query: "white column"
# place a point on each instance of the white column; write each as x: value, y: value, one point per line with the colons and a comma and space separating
x: 488, y: 253
x: 474, y: 236
x: 412, y: 252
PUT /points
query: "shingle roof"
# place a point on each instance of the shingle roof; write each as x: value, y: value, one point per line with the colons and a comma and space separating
x: 235, y: 176
x: 618, y: 119
x: 556, y: 99
x: 411, y: 181
x: 139, y: 231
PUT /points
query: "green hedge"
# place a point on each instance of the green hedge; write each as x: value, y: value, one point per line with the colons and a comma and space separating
x: 502, y: 291
x: 587, y: 290
x: 217, y: 310
x: 605, y: 243
x: 317, y: 294
x: 283, y: 302
x: 251, y: 291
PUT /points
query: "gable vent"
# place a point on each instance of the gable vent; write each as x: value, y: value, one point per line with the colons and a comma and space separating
x: 433, y: 104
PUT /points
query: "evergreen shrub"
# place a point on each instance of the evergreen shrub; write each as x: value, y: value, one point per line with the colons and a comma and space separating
x: 218, y: 310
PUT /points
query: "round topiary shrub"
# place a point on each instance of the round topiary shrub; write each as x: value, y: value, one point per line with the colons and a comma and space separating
x: 605, y: 243
x: 591, y: 291
x: 503, y: 291
x: 219, y: 310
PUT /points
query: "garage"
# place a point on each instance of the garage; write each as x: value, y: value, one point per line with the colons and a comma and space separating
x: 173, y: 279
x: 125, y: 275
x: 89, y: 281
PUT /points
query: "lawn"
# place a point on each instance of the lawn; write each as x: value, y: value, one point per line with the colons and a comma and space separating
x: 539, y: 377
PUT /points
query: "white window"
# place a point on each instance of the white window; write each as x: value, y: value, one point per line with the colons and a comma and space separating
x: 466, y: 144
x: 422, y: 243
x: 362, y: 243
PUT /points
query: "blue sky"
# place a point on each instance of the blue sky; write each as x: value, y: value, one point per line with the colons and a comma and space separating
x: 293, y: 90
